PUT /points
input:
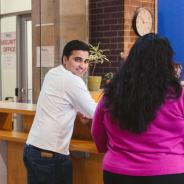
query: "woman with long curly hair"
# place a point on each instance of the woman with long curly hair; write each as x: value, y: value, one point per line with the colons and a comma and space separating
x: 139, y: 122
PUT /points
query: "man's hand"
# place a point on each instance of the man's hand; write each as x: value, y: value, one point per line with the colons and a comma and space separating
x: 83, y: 119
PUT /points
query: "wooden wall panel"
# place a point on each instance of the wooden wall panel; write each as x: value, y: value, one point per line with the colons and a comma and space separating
x: 87, y: 170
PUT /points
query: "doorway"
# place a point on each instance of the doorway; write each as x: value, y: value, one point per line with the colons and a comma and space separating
x: 16, y: 58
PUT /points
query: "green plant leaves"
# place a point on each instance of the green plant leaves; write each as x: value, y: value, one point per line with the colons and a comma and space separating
x: 96, y: 55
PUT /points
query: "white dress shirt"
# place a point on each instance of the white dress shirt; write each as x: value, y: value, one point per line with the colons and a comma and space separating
x: 63, y: 94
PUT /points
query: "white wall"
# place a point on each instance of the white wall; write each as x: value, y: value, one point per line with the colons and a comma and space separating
x: 9, y: 6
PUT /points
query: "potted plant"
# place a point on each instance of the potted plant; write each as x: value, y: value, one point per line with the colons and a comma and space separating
x: 96, y: 56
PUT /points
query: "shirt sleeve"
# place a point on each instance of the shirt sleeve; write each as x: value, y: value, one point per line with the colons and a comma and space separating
x: 98, y: 129
x: 80, y: 97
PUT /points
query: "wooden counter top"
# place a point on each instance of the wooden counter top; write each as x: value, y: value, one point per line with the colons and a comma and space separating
x: 30, y: 109
x: 13, y: 136
x: 76, y: 145
x: 20, y: 108
x: 83, y: 145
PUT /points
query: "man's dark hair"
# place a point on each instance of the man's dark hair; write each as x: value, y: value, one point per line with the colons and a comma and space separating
x: 143, y: 82
x: 74, y: 45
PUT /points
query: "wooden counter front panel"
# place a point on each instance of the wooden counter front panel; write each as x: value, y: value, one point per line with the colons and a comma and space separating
x: 16, y: 170
x: 6, y: 121
x: 87, y: 170
x: 27, y: 122
x: 81, y: 131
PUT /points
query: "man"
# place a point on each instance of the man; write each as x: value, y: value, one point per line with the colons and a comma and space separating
x: 63, y: 94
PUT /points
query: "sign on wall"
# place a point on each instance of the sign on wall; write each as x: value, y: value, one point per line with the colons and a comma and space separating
x: 8, y: 49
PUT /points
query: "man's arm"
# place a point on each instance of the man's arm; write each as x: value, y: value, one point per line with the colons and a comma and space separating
x: 80, y: 97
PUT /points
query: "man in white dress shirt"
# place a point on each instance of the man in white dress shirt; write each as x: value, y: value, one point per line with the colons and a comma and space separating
x: 63, y: 94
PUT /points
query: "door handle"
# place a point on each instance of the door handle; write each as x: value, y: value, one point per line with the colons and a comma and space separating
x: 16, y: 91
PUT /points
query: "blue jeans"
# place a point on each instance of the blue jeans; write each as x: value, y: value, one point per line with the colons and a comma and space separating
x: 45, y: 167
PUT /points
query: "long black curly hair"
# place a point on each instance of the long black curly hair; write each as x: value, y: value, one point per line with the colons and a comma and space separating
x: 142, y: 83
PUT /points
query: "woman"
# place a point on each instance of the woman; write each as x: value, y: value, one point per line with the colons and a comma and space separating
x: 139, y: 123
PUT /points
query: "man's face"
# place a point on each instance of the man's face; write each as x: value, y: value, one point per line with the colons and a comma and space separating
x: 77, y: 62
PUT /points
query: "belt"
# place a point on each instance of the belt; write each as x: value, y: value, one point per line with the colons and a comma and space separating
x: 48, y: 153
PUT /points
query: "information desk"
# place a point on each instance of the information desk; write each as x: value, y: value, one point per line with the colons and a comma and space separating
x: 85, y: 158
